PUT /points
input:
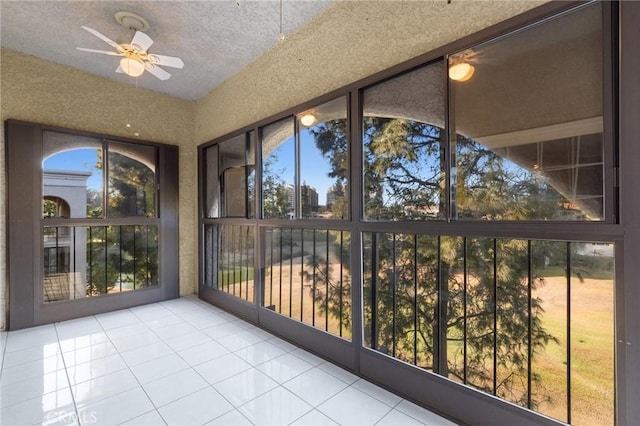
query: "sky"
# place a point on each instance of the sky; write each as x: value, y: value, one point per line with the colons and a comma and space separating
x: 314, y: 168
x: 79, y: 160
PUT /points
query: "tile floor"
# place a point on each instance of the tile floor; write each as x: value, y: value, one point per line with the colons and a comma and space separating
x: 181, y: 362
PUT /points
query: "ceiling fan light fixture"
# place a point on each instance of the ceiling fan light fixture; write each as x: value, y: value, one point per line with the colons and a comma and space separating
x: 308, y: 119
x: 462, y: 71
x: 131, y: 67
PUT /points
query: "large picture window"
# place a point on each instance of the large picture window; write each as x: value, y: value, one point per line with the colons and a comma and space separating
x: 404, y: 167
x: 529, y: 125
x: 84, y: 261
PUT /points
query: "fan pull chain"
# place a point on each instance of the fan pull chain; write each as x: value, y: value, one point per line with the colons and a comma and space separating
x: 281, y: 36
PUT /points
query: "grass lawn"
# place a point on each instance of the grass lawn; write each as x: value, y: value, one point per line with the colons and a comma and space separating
x: 592, y: 350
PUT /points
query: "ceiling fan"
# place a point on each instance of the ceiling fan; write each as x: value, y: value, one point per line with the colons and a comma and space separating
x: 135, y: 56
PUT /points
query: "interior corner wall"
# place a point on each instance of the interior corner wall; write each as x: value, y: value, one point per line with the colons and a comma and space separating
x: 47, y: 93
x: 349, y: 41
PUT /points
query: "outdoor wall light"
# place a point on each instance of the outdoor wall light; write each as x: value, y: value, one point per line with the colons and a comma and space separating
x: 461, y: 71
x: 131, y: 67
x: 308, y: 119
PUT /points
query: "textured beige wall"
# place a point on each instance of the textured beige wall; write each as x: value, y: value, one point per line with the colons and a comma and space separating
x: 43, y: 92
x: 350, y: 40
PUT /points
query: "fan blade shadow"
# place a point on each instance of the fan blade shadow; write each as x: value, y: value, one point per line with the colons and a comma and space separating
x: 104, y: 52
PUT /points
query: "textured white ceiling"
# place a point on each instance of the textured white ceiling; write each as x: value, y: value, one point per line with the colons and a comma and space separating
x: 215, y: 38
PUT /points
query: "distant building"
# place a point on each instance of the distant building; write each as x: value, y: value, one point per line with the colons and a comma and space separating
x: 308, y: 199
x: 65, y: 248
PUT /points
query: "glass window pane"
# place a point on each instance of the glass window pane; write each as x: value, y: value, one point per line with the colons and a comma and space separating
x: 132, y: 180
x: 72, y: 185
x: 230, y: 167
x: 278, y: 170
x: 89, y: 261
x: 307, y: 277
x: 324, y: 161
x: 251, y: 175
x: 528, y: 117
x: 233, y: 177
x: 403, y: 172
x: 229, y: 260
x: 212, y: 208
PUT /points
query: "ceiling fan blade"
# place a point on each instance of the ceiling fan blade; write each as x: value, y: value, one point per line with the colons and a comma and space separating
x: 157, y: 71
x: 104, y: 52
x: 141, y: 41
x: 102, y: 37
x: 119, y: 70
x: 167, y: 61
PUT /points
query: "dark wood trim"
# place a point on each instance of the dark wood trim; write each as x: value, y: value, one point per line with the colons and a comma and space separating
x: 24, y: 224
x: 24, y: 182
x: 628, y: 249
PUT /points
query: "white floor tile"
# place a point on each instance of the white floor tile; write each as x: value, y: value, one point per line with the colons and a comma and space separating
x: 167, y: 320
x: 395, y: 417
x: 338, y: 372
x: 117, y: 409
x: 159, y: 367
x: 11, y: 359
x: 221, y: 368
x: 185, y: 341
x: 206, y: 321
x: 195, y: 409
x: 276, y: 407
x: 224, y: 330
x: 315, y: 386
x: 195, y: 362
x: 241, y: 340
x: 198, y: 354
x: 127, y: 330
x: 174, y: 386
x: 315, y: 418
x: 282, y: 344
x: 33, y: 387
x: 103, y: 387
x: 152, y: 418
x: 150, y: 312
x: 423, y: 415
x: 134, y: 341
x: 391, y: 399
x: 31, y: 369
x: 232, y: 418
x: 89, y: 353
x: 175, y: 330
x: 306, y: 356
x: 31, y: 337
x: 38, y: 410
x: 146, y: 353
x: 369, y: 410
x: 117, y: 319
x: 97, y: 368
x: 259, y: 353
x: 245, y: 386
x: 284, y: 367
x: 74, y: 343
x: 78, y: 327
